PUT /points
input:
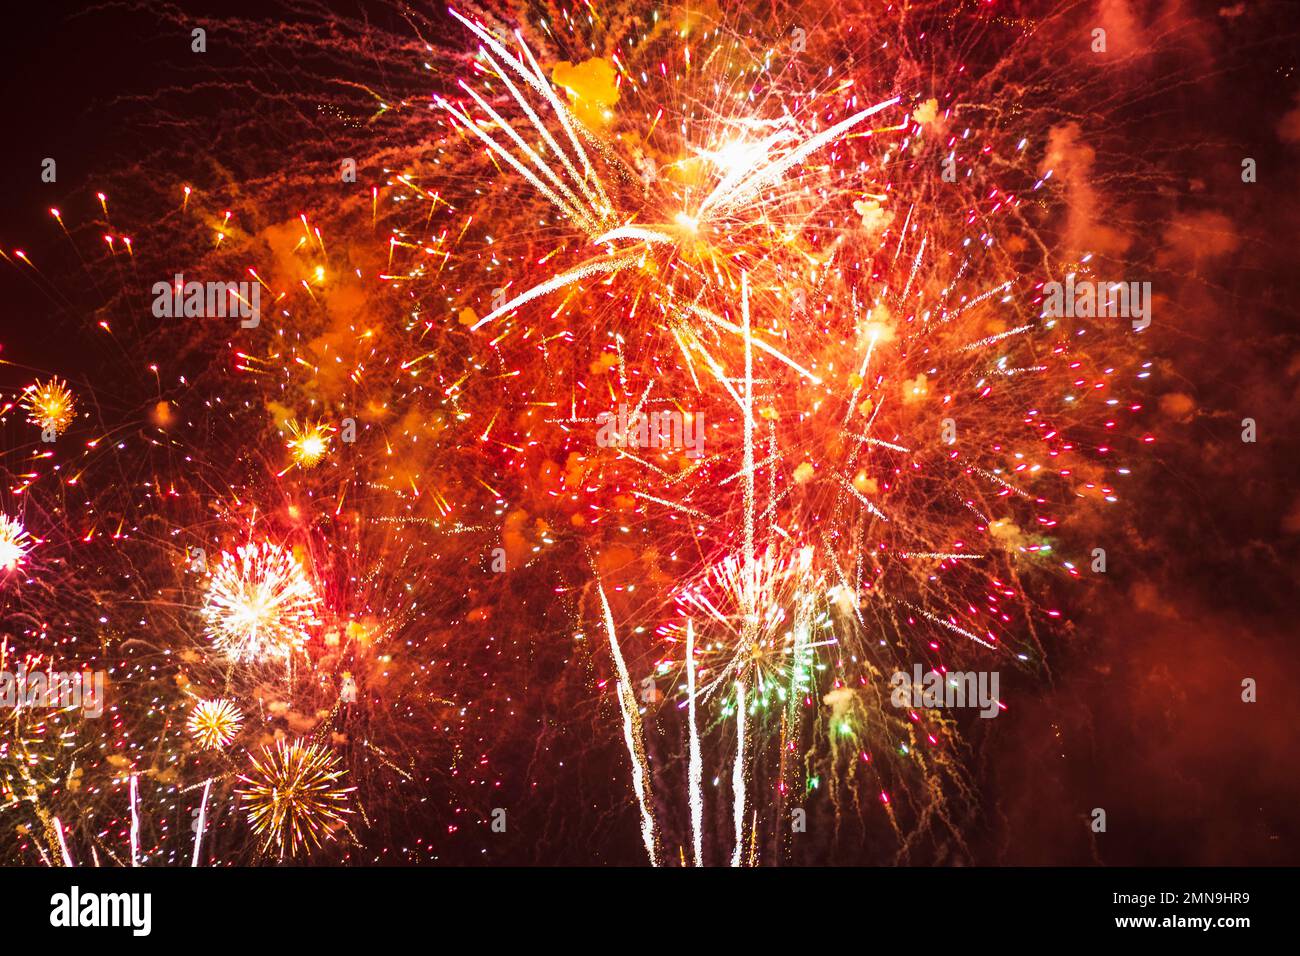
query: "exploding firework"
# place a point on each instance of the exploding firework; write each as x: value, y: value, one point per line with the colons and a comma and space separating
x: 214, y: 723
x: 15, y: 542
x: 765, y: 631
x: 886, y: 398
x: 50, y: 406
x: 308, y: 444
x: 292, y: 796
x: 259, y: 604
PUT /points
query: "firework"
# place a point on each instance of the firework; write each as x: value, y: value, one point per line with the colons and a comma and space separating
x: 37, y: 753
x: 259, y: 604
x: 214, y: 723
x: 788, y: 270
x: 50, y: 406
x: 292, y: 796
x: 308, y: 444
x: 765, y: 626
x: 15, y: 542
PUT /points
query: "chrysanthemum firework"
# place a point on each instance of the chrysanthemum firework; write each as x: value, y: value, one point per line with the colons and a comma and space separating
x: 214, y: 723
x: 260, y: 604
x: 292, y: 795
x: 15, y: 542
x: 50, y: 405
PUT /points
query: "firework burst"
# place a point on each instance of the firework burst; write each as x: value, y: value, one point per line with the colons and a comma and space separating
x: 15, y: 542
x: 766, y: 623
x: 308, y: 444
x: 259, y: 604
x: 292, y: 796
x: 50, y: 406
x: 897, y: 424
x: 214, y: 723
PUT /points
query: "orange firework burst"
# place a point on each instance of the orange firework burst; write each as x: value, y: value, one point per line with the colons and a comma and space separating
x: 308, y: 444
x: 292, y: 795
x: 214, y: 723
x: 50, y: 405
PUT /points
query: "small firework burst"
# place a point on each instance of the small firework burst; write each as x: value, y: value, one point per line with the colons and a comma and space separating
x: 259, y: 604
x: 308, y: 444
x: 292, y: 796
x: 50, y: 405
x: 15, y: 542
x: 214, y: 723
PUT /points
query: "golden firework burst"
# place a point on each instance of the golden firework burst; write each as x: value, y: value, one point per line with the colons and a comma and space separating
x: 308, y: 444
x: 214, y: 723
x: 50, y: 405
x: 292, y: 796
